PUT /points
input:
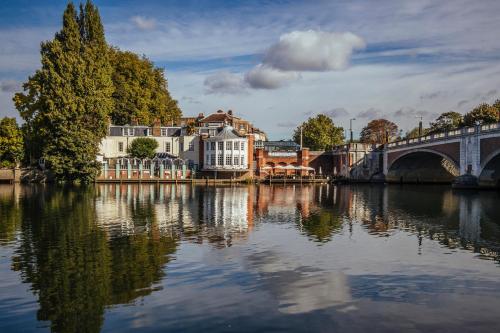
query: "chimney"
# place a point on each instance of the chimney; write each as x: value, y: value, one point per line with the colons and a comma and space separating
x: 230, y: 112
x: 201, y: 115
x: 220, y: 111
x: 157, y: 127
x: 133, y: 121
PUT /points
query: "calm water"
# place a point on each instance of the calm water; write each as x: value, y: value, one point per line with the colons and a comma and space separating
x: 310, y: 258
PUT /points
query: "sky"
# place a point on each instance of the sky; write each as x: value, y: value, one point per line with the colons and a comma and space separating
x: 277, y: 63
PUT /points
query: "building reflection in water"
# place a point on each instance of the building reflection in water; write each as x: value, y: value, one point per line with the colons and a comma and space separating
x: 84, y: 250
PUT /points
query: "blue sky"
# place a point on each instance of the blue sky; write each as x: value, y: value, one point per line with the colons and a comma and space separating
x: 279, y: 62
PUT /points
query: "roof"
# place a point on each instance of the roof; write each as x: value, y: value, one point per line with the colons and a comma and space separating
x: 219, y: 116
x: 226, y: 133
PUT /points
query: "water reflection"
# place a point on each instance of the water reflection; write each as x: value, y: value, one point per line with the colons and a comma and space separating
x: 85, y: 250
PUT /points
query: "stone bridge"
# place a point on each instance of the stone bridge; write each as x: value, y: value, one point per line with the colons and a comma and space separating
x: 441, y: 157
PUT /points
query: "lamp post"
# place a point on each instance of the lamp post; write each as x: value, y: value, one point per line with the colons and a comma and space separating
x: 350, y: 127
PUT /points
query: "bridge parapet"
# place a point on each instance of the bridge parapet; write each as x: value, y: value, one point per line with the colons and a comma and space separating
x: 452, y: 134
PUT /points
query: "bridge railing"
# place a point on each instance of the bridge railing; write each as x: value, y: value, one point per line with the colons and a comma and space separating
x: 452, y: 134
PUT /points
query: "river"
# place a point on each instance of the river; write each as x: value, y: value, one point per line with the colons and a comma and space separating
x: 184, y: 258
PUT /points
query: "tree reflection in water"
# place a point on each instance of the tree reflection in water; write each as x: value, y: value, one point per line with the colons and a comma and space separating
x: 74, y: 268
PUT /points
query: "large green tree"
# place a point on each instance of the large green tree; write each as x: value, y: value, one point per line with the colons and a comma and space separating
x: 319, y: 133
x: 379, y: 131
x: 11, y: 143
x: 141, y: 92
x: 66, y: 103
x: 143, y: 148
x: 447, y: 121
x: 482, y: 114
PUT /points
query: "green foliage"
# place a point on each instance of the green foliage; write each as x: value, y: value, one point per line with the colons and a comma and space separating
x: 482, y: 114
x: 414, y: 133
x: 379, y: 131
x: 319, y: 133
x: 66, y: 103
x: 446, y: 122
x: 11, y: 143
x: 140, y: 91
x: 143, y: 148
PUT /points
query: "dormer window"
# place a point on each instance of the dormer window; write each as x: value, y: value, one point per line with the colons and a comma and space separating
x: 127, y: 131
x: 164, y: 132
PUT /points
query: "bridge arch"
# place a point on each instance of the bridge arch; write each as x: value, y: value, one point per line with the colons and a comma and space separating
x: 490, y: 170
x: 422, y: 166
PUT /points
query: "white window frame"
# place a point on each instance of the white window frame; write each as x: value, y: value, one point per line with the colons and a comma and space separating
x: 168, y: 147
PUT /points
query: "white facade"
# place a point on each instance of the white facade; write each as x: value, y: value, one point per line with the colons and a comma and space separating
x: 226, y: 150
x: 119, y: 138
x: 189, y: 148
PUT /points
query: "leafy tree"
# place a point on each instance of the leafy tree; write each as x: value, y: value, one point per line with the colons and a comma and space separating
x: 447, y: 121
x: 497, y: 105
x: 143, y: 148
x: 11, y: 143
x: 379, y: 131
x: 140, y: 91
x: 482, y: 114
x: 319, y: 133
x: 414, y: 133
x: 66, y: 103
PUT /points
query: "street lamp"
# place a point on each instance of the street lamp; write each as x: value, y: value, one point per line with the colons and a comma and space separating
x: 350, y: 127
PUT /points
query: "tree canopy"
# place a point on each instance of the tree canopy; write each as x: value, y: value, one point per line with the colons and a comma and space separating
x: 143, y: 148
x: 140, y: 91
x: 414, y: 133
x: 482, y: 114
x: 379, y: 131
x: 319, y: 133
x: 11, y: 143
x: 447, y: 121
x: 66, y: 103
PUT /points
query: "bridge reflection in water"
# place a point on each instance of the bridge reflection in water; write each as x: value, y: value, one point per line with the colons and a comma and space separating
x: 84, y: 251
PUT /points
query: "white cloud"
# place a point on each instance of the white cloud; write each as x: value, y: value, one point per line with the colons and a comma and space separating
x: 265, y: 77
x: 224, y: 82
x: 143, y: 23
x: 313, y: 51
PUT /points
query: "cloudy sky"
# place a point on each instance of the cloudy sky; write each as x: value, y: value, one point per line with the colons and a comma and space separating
x: 277, y: 63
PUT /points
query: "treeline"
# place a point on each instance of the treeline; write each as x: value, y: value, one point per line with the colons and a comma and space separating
x: 320, y: 132
x: 83, y: 84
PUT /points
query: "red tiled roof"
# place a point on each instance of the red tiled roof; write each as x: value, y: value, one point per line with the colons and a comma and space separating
x: 216, y: 117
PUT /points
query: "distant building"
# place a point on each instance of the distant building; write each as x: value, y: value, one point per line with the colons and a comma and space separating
x: 209, y: 124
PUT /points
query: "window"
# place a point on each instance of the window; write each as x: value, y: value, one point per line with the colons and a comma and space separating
x: 242, y: 160
x: 128, y: 131
x: 212, y: 159
x: 219, y: 159
x: 167, y: 147
x: 164, y: 132
x: 208, y: 146
x: 120, y: 147
x: 228, y: 160
x: 242, y: 127
x: 236, y: 145
x: 147, y: 132
x: 221, y: 145
x: 242, y: 146
x: 181, y: 146
x: 235, y: 160
x: 191, y: 146
x: 229, y: 145
x: 212, y: 145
